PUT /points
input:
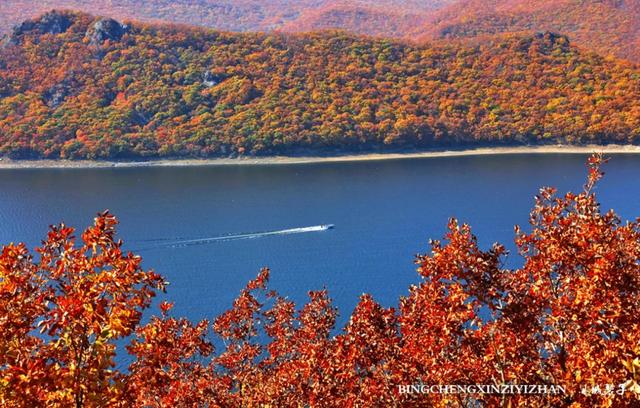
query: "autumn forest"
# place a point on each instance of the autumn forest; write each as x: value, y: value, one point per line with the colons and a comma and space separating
x: 112, y: 92
x: 77, y: 86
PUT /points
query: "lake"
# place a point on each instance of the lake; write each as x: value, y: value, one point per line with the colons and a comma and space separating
x: 203, y: 227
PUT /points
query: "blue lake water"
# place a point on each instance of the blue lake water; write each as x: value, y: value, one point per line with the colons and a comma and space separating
x: 384, y: 213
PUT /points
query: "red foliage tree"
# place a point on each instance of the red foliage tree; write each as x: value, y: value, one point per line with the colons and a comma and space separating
x: 61, y: 315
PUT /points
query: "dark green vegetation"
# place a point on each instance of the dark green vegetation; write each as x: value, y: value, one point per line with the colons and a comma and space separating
x: 76, y: 86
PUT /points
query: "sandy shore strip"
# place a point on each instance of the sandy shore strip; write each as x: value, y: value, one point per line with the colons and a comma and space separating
x: 283, y: 160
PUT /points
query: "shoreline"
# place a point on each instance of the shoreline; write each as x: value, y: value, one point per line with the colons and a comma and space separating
x: 6, y: 163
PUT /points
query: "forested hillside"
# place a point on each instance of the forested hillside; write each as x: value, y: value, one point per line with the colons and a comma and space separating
x: 606, y: 26
x: 233, y: 15
x: 361, y: 19
x: 243, y: 15
x: 77, y: 86
x: 609, y: 27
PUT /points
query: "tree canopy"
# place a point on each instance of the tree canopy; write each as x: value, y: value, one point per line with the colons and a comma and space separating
x: 76, y: 86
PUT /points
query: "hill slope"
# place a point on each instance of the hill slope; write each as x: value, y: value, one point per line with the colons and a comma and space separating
x: 382, y: 20
x: 606, y: 26
x: 72, y: 85
x: 233, y: 15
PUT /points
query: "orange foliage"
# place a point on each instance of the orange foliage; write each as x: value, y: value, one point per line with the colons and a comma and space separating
x: 610, y: 27
x: 172, y: 91
x: 61, y: 315
x: 234, y: 15
x: 381, y: 18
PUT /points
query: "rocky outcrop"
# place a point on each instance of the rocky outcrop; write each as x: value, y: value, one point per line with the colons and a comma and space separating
x: 209, y: 79
x: 105, y: 29
x: 56, y: 95
x: 546, y: 43
x: 54, y: 22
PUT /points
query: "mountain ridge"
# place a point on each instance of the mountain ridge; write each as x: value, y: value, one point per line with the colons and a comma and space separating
x: 173, y: 91
x: 227, y: 15
x: 609, y: 27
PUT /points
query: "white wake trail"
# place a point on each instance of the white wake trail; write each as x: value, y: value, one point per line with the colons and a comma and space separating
x: 204, y: 241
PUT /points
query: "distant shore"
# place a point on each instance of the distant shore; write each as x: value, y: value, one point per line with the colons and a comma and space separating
x: 283, y: 160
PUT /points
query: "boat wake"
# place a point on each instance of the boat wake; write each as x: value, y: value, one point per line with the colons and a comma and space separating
x: 181, y: 242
